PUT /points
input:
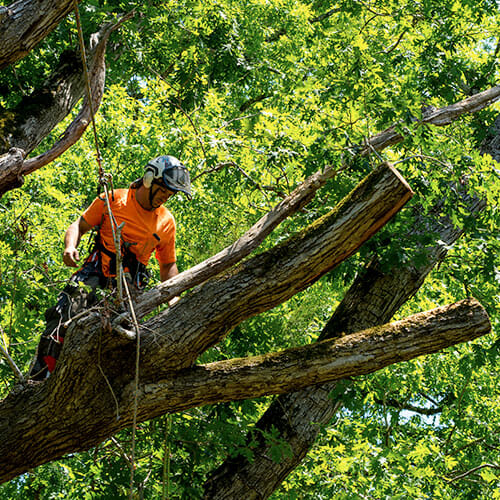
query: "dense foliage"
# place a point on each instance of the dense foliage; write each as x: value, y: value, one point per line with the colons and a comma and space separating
x: 254, y: 96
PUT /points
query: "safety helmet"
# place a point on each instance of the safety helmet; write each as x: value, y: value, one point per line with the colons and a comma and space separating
x: 169, y: 172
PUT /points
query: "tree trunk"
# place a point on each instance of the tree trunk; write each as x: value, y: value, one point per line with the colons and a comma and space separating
x: 50, y: 426
x: 25, y: 23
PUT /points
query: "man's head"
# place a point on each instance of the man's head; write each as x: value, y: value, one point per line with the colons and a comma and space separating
x: 163, y: 177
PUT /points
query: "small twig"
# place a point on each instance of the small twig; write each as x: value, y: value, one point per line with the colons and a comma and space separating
x: 471, y: 471
x: 183, y: 111
x: 465, y: 446
x: 81, y: 314
x: 12, y: 363
x: 423, y: 157
x: 120, y: 448
x: 447, y: 443
x: 325, y: 15
x: 396, y: 43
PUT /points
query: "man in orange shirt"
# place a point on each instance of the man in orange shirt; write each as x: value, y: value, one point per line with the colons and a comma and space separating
x: 148, y: 226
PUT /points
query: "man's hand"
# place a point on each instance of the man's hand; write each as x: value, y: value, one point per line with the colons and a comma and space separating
x: 71, y: 257
x: 71, y: 240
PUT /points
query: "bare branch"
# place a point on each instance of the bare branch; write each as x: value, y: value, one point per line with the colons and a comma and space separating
x: 394, y: 403
x: 472, y: 471
x: 12, y: 363
x: 439, y: 117
x: 325, y: 15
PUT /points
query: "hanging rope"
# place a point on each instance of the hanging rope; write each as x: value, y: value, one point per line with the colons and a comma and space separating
x: 105, y: 180
x: 87, y: 86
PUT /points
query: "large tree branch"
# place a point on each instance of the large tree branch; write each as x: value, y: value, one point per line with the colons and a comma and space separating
x: 25, y: 23
x: 97, y: 76
x: 272, y: 277
x: 295, y: 201
x: 36, y: 115
x: 372, y: 300
x: 238, y: 250
x: 75, y: 405
x: 292, y: 369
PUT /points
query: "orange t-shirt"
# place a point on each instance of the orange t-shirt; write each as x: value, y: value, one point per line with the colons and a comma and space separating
x: 146, y: 230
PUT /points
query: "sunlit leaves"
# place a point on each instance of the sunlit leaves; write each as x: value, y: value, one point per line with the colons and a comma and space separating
x: 253, y: 96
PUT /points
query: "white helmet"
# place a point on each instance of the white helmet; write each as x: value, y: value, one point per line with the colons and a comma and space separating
x: 169, y: 172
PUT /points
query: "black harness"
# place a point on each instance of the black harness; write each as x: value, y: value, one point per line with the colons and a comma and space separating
x: 135, y: 271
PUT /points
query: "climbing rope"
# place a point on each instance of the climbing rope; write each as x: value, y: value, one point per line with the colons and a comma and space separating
x: 105, y: 180
x: 87, y: 86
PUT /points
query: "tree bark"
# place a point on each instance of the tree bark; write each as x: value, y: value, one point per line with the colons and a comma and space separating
x: 74, y: 409
x: 238, y: 250
x: 25, y: 23
x: 373, y: 299
x: 25, y: 126
x: 437, y: 117
x: 276, y: 373
x: 334, y: 359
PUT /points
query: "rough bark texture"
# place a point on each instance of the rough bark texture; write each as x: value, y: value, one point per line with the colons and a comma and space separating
x: 74, y: 409
x: 11, y: 164
x: 334, y: 359
x: 25, y: 23
x: 374, y: 297
x: 241, y: 248
x: 26, y: 125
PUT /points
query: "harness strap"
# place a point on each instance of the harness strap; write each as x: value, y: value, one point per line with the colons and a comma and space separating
x: 137, y: 271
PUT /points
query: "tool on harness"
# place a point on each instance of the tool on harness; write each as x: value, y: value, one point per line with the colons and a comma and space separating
x: 135, y: 271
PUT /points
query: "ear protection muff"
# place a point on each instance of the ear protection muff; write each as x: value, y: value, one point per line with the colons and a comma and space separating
x: 150, y: 174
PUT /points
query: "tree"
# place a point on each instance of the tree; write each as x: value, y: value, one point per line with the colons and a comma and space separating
x: 213, y: 61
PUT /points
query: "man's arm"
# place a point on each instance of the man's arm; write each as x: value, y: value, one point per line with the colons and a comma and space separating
x: 169, y: 271
x: 71, y: 239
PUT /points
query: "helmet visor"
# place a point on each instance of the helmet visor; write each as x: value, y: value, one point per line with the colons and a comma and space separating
x: 177, y: 179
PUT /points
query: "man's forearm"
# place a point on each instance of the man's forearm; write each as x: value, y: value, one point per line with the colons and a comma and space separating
x: 168, y: 271
x: 72, y: 239
x: 72, y: 236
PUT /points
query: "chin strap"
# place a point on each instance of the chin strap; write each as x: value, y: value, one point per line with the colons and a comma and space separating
x: 152, y: 195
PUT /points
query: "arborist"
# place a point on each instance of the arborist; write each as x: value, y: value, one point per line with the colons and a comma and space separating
x: 148, y: 226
